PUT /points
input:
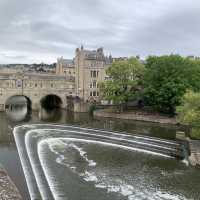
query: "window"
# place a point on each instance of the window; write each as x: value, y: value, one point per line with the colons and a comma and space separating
x: 97, y: 94
x: 91, y: 94
x: 94, y: 84
x: 51, y: 84
x: 94, y: 93
x: 90, y: 85
x: 35, y: 84
x: 94, y: 74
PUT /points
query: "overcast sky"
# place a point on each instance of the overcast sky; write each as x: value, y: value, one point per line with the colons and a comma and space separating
x: 42, y: 30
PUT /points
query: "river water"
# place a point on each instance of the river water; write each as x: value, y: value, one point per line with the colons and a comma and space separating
x: 99, y: 171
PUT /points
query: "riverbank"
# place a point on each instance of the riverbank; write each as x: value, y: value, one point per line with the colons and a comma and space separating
x: 136, y: 115
x: 8, y: 190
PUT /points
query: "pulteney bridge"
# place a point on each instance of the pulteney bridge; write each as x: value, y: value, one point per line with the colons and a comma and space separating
x: 37, y: 88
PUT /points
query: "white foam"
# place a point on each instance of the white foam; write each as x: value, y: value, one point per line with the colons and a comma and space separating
x: 52, y: 140
x: 83, y: 154
x: 90, y: 177
x: 186, y: 162
x: 58, y: 145
x: 168, y: 196
x: 121, y: 137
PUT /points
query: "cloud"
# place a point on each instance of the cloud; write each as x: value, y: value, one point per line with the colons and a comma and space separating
x: 36, y: 31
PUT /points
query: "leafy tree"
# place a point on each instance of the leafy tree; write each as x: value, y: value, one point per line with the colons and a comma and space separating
x: 125, y: 80
x: 166, y: 80
x: 189, y: 112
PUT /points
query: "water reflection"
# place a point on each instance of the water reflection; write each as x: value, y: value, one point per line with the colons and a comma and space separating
x: 18, y: 109
x: 18, y: 112
x: 50, y: 115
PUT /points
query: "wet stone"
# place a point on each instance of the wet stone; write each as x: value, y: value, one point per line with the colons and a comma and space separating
x: 195, y: 152
x: 8, y: 190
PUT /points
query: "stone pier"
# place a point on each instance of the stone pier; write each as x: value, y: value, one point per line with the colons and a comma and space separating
x: 194, y: 157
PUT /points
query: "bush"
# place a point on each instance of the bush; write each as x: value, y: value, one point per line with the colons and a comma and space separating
x: 195, y: 133
x: 92, y: 108
x: 189, y: 112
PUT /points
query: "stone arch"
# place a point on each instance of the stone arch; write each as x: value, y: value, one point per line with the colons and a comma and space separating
x: 51, y: 101
x: 9, y: 99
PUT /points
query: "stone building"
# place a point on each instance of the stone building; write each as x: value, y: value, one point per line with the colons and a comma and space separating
x: 120, y: 59
x: 89, y: 69
x: 75, y: 80
x: 65, y: 67
x: 35, y: 87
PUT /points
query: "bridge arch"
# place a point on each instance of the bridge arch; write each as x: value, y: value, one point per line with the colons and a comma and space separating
x: 51, y: 101
x: 16, y: 100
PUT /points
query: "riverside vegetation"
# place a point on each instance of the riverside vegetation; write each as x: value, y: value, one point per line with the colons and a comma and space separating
x: 168, y: 84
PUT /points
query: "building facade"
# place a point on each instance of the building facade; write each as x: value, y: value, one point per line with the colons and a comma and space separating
x: 35, y: 87
x: 76, y: 79
x: 89, y: 69
x: 65, y: 67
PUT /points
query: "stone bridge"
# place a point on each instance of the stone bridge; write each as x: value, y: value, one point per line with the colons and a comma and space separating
x: 35, y: 87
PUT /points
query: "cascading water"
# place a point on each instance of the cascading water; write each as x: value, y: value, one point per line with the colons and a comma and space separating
x: 68, y: 162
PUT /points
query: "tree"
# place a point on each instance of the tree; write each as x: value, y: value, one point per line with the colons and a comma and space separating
x: 189, y: 112
x: 166, y: 80
x: 124, y: 81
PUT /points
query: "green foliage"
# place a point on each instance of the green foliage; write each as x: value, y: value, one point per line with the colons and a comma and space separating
x: 166, y: 80
x: 92, y: 108
x: 195, y: 133
x: 189, y: 111
x: 125, y: 79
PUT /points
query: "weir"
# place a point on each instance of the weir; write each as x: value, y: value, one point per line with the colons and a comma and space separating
x: 32, y: 139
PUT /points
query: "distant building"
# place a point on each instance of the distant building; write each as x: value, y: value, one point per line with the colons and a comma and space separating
x: 6, y: 70
x: 120, y: 59
x: 193, y: 57
x: 65, y: 67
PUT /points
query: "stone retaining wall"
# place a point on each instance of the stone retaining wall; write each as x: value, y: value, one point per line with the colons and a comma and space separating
x: 8, y: 190
x: 136, y: 116
x: 194, y: 157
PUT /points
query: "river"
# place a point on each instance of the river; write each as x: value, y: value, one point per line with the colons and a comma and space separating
x: 146, y: 177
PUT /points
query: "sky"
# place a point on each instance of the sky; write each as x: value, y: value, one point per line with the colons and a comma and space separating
x: 34, y: 31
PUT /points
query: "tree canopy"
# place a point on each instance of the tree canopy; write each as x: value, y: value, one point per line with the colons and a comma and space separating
x: 189, y: 112
x: 124, y: 81
x: 166, y: 80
